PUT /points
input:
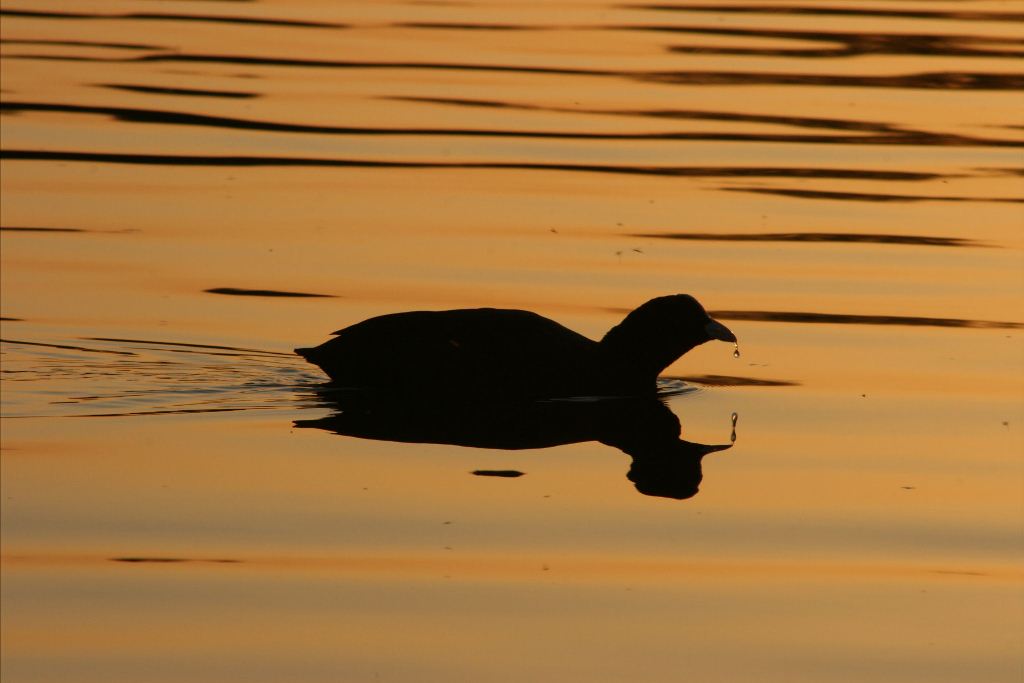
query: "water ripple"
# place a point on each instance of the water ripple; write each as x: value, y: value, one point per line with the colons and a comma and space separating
x: 79, y: 43
x: 848, y: 319
x: 901, y: 13
x: 936, y: 80
x: 868, y: 196
x: 869, y: 132
x: 179, y: 92
x: 847, y: 44
x: 665, y: 171
x: 237, y: 291
x: 883, y: 133
x: 119, y: 377
x: 161, y: 16
x: 817, y: 237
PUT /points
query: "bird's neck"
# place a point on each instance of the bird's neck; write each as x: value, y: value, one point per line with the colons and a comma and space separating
x: 638, y: 354
x: 634, y: 373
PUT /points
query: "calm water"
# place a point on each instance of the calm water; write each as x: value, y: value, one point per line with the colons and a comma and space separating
x: 839, y: 181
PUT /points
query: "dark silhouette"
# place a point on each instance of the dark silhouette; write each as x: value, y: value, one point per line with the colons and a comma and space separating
x: 238, y: 291
x: 509, y: 354
x: 851, y: 319
x: 867, y: 196
x: 642, y: 427
x: 818, y: 237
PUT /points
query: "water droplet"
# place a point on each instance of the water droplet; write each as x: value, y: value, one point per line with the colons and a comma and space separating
x: 732, y: 437
x: 736, y: 351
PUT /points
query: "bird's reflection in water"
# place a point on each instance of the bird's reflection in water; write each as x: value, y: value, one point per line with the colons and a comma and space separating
x: 645, y: 429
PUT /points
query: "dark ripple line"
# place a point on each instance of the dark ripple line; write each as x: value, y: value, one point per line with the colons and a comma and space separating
x: 846, y: 44
x: 885, y: 133
x: 80, y: 43
x: 889, y: 135
x: 939, y: 80
x: 139, y: 115
x: 237, y: 291
x: 852, y: 319
x: 189, y: 345
x: 664, y: 171
x: 68, y: 347
x: 48, y: 230
x: 466, y: 26
x: 833, y: 11
x: 349, y: 64
x: 179, y: 92
x: 172, y: 411
x: 845, y: 51
x: 229, y: 354
x: 166, y: 560
x: 699, y: 114
x: 508, y: 474
x: 733, y: 381
x: 867, y: 196
x: 170, y: 118
x: 842, y: 44
x: 848, y: 319
x: 942, y: 80
x: 1011, y: 172
x: 947, y: 80
x: 160, y: 16
x: 6, y: 228
x: 816, y: 237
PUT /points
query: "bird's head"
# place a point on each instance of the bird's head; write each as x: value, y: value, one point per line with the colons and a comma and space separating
x: 662, y: 330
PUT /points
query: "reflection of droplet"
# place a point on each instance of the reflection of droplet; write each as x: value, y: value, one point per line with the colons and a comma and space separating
x: 732, y: 437
x: 736, y: 351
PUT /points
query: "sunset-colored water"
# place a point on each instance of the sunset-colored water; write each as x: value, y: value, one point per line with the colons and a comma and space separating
x: 838, y: 181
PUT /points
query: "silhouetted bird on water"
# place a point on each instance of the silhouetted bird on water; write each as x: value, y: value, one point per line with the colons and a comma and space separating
x: 514, y: 354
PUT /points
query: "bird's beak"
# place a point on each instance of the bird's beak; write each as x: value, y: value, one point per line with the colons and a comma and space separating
x: 717, y: 330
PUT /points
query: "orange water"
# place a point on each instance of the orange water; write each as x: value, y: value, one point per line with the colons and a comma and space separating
x: 839, y: 182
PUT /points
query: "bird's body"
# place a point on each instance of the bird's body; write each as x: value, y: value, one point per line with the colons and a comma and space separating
x: 473, y: 353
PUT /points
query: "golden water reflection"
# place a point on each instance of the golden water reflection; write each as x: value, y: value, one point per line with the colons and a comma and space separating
x: 191, y: 192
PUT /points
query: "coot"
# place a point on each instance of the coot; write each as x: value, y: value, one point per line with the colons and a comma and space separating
x: 501, y: 353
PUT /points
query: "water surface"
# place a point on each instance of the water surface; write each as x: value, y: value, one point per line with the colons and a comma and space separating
x: 191, y: 190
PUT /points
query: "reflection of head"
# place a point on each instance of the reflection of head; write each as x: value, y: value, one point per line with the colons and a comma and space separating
x: 678, y: 480
x: 670, y: 473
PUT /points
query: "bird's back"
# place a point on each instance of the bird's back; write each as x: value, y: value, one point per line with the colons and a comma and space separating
x: 467, y: 351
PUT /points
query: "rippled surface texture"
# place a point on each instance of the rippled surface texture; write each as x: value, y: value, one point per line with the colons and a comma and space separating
x: 192, y: 189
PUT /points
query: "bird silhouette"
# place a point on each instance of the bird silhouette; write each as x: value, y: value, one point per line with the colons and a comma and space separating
x: 475, y: 353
